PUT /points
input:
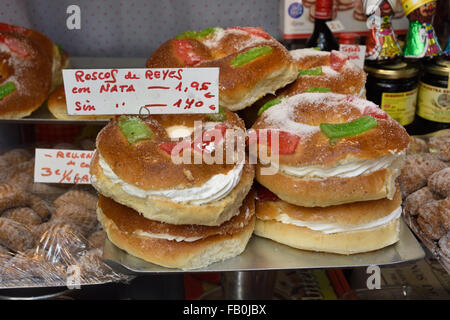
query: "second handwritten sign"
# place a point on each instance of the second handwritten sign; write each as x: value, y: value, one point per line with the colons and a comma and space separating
x: 126, y: 91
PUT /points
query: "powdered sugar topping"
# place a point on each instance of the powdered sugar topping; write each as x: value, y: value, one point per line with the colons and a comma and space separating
x: 214, y: 40
x: 304, y: 53
x: 282, y: 115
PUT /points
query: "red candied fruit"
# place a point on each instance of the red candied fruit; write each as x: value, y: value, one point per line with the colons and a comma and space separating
x: 287, y: 141
x: 256, y: 31
x: 337, y: 60
x: 377, y: 113
x: 185, y: 52
x: 14, y: 45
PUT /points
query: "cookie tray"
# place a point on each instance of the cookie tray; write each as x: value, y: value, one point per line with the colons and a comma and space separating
x: 263, y: 254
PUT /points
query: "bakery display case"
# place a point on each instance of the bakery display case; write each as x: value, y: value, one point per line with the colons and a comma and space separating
x: 318, y: 182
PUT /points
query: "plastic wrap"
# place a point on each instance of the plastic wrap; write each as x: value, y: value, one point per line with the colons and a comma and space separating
x: 49, y: 233
x: 426, y: 206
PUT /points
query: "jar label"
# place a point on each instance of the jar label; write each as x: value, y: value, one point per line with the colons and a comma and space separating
x: 401, y: 106
x: 433, y: 103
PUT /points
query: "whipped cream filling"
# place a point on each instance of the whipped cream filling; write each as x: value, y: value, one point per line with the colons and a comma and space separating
x: 165, y: 236
x: 342, y: 170
x: 328, y: 228
x: 175, y: 132
x: 215, y: 188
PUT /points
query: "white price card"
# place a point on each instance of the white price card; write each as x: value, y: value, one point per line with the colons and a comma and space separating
x: 137, y: 91
x: 335, y: 25
x: 355, y: 53
x: 62, y: 166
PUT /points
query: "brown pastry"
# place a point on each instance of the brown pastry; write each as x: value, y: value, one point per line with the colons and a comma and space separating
x: 46, y: 192
x: 82, y: 217
x: 444, y: 245
x: 440, y: 146
x: 417, y: 199
x: 21, y: 179
x: 240, y: 84
x: 39, y: 206
x: 433, y: 231
x: 77, y: 197
x: 12, y: 196
x: 41, y: 230
x: 15, y: 236
x: 23, y: 215
x: 417, y: 145
x: 309, y: 166
x: 430, y: 212
x: 15, y: 156
x: 63, y: 242
x: 429, y: 219
x: 439, y: 182
x: 444, y: 212
x: 417, y: 169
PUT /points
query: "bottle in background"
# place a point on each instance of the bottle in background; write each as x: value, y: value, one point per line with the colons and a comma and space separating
x: 322, y: 37
x: 349, y: 38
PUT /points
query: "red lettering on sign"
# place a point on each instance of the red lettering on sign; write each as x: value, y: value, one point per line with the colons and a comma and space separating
x: 109, y: 77
x: 81, y: 90
x: 47, y: 172
x: 130, y: 75
x: 85, y: 107
x: 84, y: 165
x: 66, y: 176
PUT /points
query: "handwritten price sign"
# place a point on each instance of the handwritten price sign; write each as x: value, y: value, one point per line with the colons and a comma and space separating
x: 355, y: 53
x: 127, y: 91
x: 62, y: 166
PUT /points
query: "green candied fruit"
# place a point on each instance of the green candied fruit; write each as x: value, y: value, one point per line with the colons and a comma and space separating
x: 206, y: 32
x: 191, y: 34
x: 311, y: 72
x: 250, y: 55
x: 269, y: 104
x: 6, y: 89
x: 218, y: 117
x: 349, y: 129
x: 134, y: 129
x: 314, y: 89
x: 58, y: 46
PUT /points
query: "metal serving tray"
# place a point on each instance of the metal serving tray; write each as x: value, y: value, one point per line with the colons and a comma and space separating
x: 263, y: 254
